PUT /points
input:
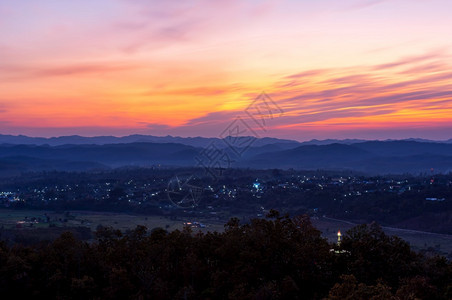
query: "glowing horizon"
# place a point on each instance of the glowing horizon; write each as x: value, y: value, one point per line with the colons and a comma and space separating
x: 355, y: 69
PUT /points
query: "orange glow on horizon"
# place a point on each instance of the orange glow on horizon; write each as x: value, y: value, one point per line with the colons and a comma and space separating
x: 119, y: 67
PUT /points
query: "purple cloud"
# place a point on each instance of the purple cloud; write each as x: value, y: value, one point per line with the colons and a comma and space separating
x: 410, y: 60
x: 27, y: 71
x: 214, y: 118
x: 365, y: 91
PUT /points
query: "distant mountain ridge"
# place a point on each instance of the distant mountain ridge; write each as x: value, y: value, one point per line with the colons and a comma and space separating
x: 190, y: 141
x: 136, y: 138
x: 371, y: 157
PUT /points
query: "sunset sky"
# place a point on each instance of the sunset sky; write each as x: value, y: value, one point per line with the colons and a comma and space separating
x: 337, y: 69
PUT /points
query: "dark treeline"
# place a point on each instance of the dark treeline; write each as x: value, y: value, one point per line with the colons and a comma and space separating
x: 274, y: 258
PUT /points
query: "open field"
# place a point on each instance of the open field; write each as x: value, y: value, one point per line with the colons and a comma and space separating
x: 23, y: 219
x: 125, y: 222
x: 43, y: 219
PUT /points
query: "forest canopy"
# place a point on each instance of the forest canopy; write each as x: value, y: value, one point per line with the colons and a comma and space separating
x: 273, y: 258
